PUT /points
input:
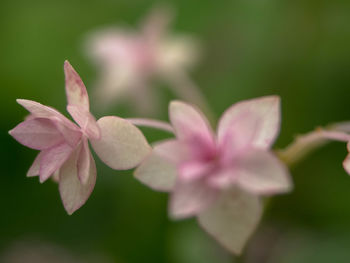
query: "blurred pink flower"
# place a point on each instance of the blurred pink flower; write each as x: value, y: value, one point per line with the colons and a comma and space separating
x: 64, y: 151
x: 219, y: 178
x: 127, y: 60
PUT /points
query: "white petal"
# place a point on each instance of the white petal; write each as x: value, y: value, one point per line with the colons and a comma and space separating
x: 172, y: 150
x: 73, y: 193
x: 260, y: 172
x: 191, y: 198
x: 266, y: 110
x: 157, y: 173
x: 232, y: 219
x: 75, y: 88
x: 122, y: 145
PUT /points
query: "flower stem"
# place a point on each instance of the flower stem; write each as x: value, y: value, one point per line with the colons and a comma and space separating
x: 305, y: 144
x: 159, y: 125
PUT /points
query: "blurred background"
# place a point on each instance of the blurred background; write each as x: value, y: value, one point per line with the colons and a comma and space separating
x: 296, y: 49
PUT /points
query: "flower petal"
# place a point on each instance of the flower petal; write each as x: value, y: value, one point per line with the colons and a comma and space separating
x: 239, y: 136
x: 191, y: 198
x: 223, y: 179
x: 84, y: 162
x: 73, y: 193
x: 122, y: 145
x: 34, y: 169
x: 75, y: 88
x: 71, y: 135
x: 265, y: 109
x: 346, y: 162
x: 85, y: 120
x: 38, y: 133
x: 232, y: 219
x: 194, y: 170
x: 56, y: 176
x: 189, y: 123
x: 172, y: 150
x: 158, y: 170
x: 38, y: 110
x: 157, y: 173
x: 260, y: 172
x: 53, y: 159
x: 156, y: 24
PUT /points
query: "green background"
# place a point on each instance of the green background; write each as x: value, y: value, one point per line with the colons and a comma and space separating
x: 297, y: 49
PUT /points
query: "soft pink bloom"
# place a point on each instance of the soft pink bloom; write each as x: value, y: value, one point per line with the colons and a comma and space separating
x: 219, y: 178
x: 64, y: 150
x: 128, y: 60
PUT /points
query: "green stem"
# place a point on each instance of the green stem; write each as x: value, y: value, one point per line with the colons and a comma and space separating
x: 305, y: 144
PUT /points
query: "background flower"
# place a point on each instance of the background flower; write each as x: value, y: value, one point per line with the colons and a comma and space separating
x: 129, y: 60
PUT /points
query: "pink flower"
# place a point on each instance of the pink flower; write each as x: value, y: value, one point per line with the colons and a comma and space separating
x: 219, y: 178
x: 128, y: 60
x: 64, y: 151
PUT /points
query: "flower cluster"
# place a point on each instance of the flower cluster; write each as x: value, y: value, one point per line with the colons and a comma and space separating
x: 64, y: 150
x: 218, y: 177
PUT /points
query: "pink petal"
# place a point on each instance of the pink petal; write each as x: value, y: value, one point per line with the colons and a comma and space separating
x: 122, y: 145
x: 232, y: 219
x: 223, y: 179
x: 346, y: 162
x: 85, y: 120
x: 73, y: 193
x: 53, y: 159
x: 260, y: 172
x: 38, y: 110
x: 71, y: 136
x: 37, y: 133
x: 84, y: 162
x: 173, y: 151
x: 239, y: 136
x: 75, y: 88
x: 34, y: 169
x: 191, y: 198
x: 157, y: 173
x: 189, y: 123
x: 194, y: 170
x: 265, y: 109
